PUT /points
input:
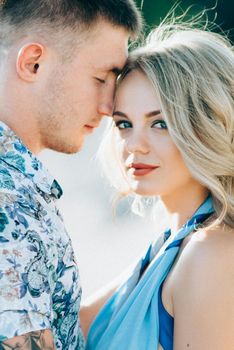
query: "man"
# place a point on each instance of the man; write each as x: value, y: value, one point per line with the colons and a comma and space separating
x: 59, y: 60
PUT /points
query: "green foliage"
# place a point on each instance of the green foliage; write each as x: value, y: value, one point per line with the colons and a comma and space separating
x: 219, y: 11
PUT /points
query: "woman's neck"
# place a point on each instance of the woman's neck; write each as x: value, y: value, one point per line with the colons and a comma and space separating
x: 179, y: 208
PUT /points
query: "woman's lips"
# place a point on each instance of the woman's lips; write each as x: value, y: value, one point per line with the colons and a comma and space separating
x: 141, y: 169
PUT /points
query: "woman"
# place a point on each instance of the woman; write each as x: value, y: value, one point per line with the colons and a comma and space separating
x: 173, y: 138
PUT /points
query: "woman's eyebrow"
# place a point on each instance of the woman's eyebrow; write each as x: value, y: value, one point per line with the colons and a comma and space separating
x: 119, y: 114
x: 148, y: 115
x: 153, y: 113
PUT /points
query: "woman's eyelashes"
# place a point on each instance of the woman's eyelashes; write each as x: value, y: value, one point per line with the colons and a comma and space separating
x: 122, y: 124
x: 159, y: 124
x: 125, y: 124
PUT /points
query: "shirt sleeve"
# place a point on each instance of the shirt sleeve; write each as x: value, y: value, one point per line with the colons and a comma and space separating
x: 25, y: 296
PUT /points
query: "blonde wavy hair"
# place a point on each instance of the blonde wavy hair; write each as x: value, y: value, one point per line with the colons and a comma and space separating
x: 192, y: 72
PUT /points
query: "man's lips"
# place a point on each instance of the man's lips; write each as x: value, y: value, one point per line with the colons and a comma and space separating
x: 140, y: 169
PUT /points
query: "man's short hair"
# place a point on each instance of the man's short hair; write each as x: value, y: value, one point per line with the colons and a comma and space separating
x: 70, y: 13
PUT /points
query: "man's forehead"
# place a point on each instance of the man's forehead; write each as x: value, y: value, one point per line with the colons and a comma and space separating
x: 110, y: 48
x: 112, y: 63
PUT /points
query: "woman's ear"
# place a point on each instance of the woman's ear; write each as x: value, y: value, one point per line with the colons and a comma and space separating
x: 28, y: 61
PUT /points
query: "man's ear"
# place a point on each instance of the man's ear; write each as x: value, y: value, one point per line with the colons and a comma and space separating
x: 28, y: 61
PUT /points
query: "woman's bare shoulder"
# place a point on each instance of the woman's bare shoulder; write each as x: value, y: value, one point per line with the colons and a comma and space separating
x: 208, y: 255
x: 211, y: 243
x: 217, y: 243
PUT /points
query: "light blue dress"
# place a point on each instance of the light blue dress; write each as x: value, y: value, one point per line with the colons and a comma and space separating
x: 130, y: 320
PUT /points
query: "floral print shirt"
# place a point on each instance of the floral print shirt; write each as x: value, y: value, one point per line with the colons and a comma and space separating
x: 39, y: 279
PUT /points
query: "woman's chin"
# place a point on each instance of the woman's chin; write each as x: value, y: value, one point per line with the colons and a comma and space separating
x: 145, y: 192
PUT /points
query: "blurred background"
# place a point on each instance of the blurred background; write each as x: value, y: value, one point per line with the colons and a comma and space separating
x: 106, y: 245
x: 219, y: 11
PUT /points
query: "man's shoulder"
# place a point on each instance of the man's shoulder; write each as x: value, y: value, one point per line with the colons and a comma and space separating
x: 12, y: 180
x: 20, y: 209
x: 8, y: 178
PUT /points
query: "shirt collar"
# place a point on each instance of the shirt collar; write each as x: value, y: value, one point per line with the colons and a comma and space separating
x: 17, y: 155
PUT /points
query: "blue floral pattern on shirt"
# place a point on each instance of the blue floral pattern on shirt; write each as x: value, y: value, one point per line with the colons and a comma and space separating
x: 39, y: 279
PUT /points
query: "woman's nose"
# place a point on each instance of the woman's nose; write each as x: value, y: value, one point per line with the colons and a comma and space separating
x: 137, y: 143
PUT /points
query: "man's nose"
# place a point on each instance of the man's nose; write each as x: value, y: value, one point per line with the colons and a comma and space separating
x: 105, y: 106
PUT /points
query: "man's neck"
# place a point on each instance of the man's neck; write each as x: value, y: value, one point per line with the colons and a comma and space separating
x: 26, y: 132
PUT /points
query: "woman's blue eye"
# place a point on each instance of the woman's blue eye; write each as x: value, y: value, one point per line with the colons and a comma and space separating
x: 123, y: 124
x: 159, y: 124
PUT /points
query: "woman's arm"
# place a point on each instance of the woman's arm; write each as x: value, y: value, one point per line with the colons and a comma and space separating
x: 92, y: 305
x: 204, y: 297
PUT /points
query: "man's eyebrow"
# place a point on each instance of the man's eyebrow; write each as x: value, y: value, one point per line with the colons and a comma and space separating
x: 148, y: 115
x: 117, y: 71
x: 114, y: 69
